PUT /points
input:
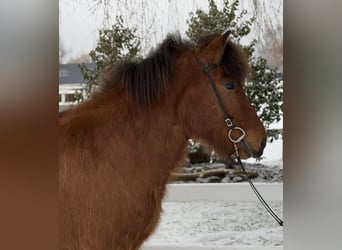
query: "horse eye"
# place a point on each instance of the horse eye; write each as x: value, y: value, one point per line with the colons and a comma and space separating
x: 230, y: 85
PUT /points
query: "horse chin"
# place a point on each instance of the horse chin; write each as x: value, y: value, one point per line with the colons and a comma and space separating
x: 257, y: 154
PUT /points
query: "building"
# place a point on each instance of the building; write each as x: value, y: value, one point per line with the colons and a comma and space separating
x: 70, y: 81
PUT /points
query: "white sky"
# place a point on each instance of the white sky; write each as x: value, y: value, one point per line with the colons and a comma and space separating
x: 79, y: 23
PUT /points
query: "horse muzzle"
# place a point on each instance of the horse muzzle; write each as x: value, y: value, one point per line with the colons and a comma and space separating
x: 251, y: 152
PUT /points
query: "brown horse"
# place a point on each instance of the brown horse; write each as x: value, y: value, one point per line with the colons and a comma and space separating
x: 117, y: 149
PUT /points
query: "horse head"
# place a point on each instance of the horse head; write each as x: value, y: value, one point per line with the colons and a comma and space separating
x: 218, y: 61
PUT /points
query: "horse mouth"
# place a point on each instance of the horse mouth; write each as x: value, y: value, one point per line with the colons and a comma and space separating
x: 250, y: 152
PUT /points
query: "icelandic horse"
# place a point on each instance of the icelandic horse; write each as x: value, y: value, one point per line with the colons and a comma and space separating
x: 117, y: 149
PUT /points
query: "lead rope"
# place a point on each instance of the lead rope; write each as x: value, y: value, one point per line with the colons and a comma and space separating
x: 261, y: 199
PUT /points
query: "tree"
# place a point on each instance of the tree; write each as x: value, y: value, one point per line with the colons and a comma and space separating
x: 116, y: 44
x: 264, y: 88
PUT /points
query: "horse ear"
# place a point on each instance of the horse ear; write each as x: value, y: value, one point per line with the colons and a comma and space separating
x: 215, y: 48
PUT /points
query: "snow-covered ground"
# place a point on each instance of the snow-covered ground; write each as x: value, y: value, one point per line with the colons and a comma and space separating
x: 237, y: 223
x: 218, y: 224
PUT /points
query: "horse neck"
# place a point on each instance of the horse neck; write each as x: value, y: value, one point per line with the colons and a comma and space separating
x: 151, y: 140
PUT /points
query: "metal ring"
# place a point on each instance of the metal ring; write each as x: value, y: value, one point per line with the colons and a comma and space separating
x: 238, y: 139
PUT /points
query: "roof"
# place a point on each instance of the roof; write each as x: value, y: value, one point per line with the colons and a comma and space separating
x: 71, y: 73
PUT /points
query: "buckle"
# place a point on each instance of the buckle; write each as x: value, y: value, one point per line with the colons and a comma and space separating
x: 229, y: 122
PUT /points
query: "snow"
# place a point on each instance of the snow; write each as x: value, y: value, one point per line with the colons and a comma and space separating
x: 273, y: 164
x: 218, y: 224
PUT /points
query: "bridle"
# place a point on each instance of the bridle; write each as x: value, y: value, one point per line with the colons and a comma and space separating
x: 227, y: 118
x: 241, y: 139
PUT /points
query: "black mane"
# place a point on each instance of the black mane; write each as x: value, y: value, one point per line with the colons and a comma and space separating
x: 147, y: 79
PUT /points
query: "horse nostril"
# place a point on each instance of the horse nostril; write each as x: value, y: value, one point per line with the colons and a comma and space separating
x: 263, y: 143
